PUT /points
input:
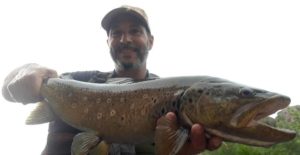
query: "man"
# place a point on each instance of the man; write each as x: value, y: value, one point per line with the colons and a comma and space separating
x: 129, y: 40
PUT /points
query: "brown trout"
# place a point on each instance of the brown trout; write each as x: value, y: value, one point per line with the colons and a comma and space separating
x: 127, y: 113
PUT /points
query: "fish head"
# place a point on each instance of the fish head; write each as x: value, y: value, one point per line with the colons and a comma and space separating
x: 232, y: 111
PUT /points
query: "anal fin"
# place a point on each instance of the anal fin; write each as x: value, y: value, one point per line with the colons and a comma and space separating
x: 101, y: 149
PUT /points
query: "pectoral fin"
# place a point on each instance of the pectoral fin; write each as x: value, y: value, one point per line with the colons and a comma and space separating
x: 83, y: 142
x: 169, y: 138
x: 101, y: 149
x: 41, y: 114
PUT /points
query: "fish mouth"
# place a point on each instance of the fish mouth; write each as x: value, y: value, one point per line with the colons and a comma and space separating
x: 250, y: 114
x: 246, y: 128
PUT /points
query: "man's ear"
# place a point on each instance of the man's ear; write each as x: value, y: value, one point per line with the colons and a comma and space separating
x: 150, y: 41
x: 108, y: 41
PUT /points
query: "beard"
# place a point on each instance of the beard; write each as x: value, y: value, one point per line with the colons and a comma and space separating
x: 142, y: 54
x: 127, y: 66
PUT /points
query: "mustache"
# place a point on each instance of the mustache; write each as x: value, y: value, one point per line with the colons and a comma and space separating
x: 120, y: 47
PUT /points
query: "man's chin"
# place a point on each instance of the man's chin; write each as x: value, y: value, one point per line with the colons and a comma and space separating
x: 128, y: 66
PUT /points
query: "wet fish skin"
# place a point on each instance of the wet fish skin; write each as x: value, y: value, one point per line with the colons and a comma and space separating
x: 127, y: 113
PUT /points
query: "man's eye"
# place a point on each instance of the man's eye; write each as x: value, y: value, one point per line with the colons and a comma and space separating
x: 135, y: 31
x: 115, y: 33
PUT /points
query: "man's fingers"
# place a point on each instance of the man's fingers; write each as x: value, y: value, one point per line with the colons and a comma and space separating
x: 49, y: 73
x: 25, y: 85
x: 214, y: 143
x: 171, y: 116
x: 198, y: 140
x: 168, y: 120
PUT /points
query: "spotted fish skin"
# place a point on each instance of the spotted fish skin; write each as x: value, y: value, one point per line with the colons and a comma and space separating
x: 124, y: 113
x: 127, y: 113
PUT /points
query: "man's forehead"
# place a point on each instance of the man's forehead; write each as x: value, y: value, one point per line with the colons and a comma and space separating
x: 125, y: 20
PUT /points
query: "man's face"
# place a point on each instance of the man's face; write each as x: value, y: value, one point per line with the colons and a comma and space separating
x: 129, y: 43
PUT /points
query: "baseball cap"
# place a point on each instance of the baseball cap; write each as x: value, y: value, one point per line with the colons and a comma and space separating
x: 135, y: 12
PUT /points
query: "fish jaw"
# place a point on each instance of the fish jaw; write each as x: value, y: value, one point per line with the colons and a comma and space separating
x: 257, y: 135
x: 245, y: 128
x: 248, y: 114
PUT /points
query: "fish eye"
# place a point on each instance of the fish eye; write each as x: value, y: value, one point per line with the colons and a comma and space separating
x: 246, y: 92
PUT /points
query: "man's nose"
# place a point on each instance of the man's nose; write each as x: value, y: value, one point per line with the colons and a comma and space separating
x: 125, y: 38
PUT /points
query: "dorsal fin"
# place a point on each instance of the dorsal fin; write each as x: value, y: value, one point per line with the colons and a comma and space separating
x: 119, y: 80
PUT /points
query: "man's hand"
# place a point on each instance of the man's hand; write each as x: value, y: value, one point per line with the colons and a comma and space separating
x: 23, y: 84
x: 198, y: 142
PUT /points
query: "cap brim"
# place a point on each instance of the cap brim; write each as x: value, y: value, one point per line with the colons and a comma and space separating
x: 109, y: 18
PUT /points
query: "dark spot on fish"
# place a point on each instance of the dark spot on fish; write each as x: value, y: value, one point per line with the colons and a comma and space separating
x: 207, y: 93
x: 84, y: 89
x: 200, y: 91
x: 163, y: 110
x: 122, y: 118
x: 155, y: 100
x: 177, y: 105
x: 220, y: 122
x: 190, y: 100
x: 167, y: 93
x: 174, y: 103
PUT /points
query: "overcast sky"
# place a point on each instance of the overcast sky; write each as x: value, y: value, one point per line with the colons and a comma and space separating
x: 255, y: 43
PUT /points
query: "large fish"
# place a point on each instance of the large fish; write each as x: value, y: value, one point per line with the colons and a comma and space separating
x: 127, y: 113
